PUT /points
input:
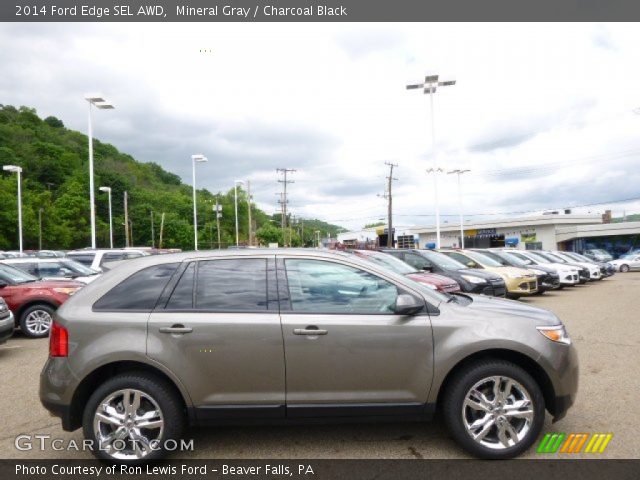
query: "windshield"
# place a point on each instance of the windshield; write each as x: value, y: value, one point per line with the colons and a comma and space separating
x: 540, y: 257
x: 523, y: 258
x: 483, y: 259
x: 506, y: 259
x: 554, y: 258
x: 600, y: 251
x: 443, y: 262
x: 13, y: 275
x: 578, y: 257
x: 77, y: 267
x: 390, y: 262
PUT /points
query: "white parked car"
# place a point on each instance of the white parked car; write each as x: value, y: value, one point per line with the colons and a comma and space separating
x: 568, y: 275
x: 627, y: 263
x: 54, y: 269
x: 594, y: 270
x: 97, y: 259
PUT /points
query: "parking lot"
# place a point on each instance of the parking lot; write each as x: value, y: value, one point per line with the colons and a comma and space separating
x: 602, y: 319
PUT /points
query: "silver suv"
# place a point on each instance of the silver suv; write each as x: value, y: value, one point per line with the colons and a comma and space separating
x: 292, y: 336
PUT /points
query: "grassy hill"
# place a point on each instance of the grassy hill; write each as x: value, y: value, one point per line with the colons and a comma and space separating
x: 55, y: 179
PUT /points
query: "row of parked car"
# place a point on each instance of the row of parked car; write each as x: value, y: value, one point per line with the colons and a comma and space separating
x: 33, y: 285
x: 496, y: 272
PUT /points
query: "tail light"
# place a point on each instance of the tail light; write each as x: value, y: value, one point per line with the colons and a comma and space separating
x: 58, y: 341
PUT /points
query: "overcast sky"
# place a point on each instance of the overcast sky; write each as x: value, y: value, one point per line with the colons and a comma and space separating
x: 542, y: 114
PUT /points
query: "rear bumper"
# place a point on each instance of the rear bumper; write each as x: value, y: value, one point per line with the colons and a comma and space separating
x: 63, y: 412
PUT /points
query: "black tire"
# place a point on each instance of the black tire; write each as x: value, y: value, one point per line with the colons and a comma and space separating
x: 462, y: 383
x: 164, y: 395
x: 624, y: 268
x: 28, y: 328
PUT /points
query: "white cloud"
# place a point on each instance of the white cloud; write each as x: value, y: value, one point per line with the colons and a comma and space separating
x: 330, y: 100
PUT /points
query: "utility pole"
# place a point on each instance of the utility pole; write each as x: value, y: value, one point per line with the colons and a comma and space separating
x: 249, y: 208
x: 161, y: 230
x: 302, y: 229
x: 459, y: 172
x: 388, y: 195
x: 153, y: 236
x: 218, y: 215
x: 126, y: 220
x: 284, y: 200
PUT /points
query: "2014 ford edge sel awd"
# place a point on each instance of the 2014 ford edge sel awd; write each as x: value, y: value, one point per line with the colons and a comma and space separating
x: 292, y: 336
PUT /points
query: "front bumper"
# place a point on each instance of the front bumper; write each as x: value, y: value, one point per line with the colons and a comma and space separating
x: 491, y: 288
x: 522, y: 286
x: 569, y: 278
x: 7, y: 326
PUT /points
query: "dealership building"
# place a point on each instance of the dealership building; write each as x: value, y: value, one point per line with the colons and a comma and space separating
x: 553, y: 231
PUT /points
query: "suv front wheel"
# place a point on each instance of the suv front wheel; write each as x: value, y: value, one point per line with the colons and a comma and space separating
x: 494, y: 409
x: 130, y: 418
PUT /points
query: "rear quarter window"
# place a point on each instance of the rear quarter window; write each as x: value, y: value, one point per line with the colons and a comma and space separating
x: 140, y: 291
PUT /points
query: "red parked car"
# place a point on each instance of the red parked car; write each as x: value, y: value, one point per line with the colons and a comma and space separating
x: 32, y: 301
x: 435, y: 281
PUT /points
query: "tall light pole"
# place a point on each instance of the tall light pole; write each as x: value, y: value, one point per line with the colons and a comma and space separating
x: 108, y: 190
x: 429, y: 86
x: 459, y: 172
x: 249, y: 210
x: 235, y: 200
x: 18, y: 170
x: 197, y: 158
x: 97, y: 100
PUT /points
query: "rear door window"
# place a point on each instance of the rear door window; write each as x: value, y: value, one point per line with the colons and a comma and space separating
x: 232, y: 285
x: 182, y: 296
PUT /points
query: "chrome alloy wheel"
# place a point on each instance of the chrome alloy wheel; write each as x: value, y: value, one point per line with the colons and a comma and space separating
x: 38, y: 322
x: 497, y: 412
x: 128, y: 424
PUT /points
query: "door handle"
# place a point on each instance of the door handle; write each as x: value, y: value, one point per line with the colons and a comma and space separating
x: 309, y: 331
x: 176, y: 329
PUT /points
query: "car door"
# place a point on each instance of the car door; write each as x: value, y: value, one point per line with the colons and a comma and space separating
x: 634, y: 264
x: 218, y: 330
x: 346, y: 352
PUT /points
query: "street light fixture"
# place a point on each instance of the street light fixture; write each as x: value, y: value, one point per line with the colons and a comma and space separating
x: 108, y: 190
x: 459, y: 172
x: 97, y: 100
x: 429, y: 86
x: 18, y: 170
x: 197, y: 158
x: 235, y: 197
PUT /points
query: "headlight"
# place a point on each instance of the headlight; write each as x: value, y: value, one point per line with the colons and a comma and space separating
x: 66, y: 290
x: 472, y: 279
x: 556, y: 333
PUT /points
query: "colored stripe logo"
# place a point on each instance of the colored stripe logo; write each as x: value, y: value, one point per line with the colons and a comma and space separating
x: 574, y: 443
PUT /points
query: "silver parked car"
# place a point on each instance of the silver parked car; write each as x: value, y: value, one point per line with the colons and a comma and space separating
x: 293, y: 336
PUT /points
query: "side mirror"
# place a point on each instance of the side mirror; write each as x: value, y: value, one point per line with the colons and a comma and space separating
x: 472, y: 264
x: 408, y: 305
x: 427, y: 268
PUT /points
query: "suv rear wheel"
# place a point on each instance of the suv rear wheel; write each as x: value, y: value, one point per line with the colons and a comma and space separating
x: 131, y: 417
x: 494, y: 409
x: 35, y: 321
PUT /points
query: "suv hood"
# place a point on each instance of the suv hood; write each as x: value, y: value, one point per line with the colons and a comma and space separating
x: 511, y: 308
x: 514, y: 271
x: 432, y: 278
